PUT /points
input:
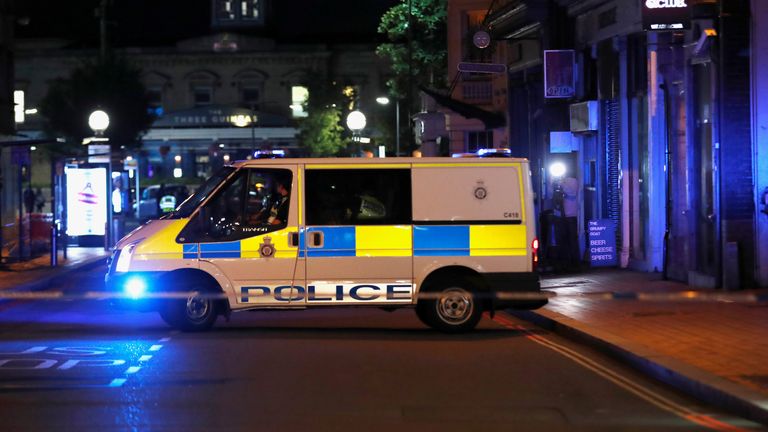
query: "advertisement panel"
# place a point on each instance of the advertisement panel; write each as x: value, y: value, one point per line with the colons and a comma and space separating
x: 86, y: 201
x: 559, y: 73
x: 665, y: 15
x: 602, y: 243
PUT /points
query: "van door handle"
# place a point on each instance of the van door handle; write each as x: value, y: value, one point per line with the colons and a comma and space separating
x: 293, y: 239
x: 316, y: 239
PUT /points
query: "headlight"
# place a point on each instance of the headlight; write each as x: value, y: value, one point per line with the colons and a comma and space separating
x: 124, y: 260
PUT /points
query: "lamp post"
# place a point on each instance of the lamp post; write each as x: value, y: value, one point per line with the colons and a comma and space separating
x: 383, y: 100
x: 356, y: 123
x: 98, y: 121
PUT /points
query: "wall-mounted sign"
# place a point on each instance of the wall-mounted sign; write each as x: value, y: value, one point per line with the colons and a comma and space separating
x: 491, y: 68
x: 601, y: 235
x: 86, y: 201
x: 559, y: 73
x: 665, y: 15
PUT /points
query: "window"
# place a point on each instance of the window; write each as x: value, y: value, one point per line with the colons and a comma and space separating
x: 249, y: 9
x: 202, y: 95
x: 299, y: 96
x: 155, y: 96
x: 155, y: 100
x: 250, y: 96
x: 479, y: 140
x: 358, y: 197
x: 253, y: 202
x: 237, y: 13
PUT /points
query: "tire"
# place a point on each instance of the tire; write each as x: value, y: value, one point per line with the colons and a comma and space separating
x: 194, y: 313
x: 455, y: 310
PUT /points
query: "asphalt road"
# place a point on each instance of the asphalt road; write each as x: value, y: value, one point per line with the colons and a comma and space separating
x: 79, y: 365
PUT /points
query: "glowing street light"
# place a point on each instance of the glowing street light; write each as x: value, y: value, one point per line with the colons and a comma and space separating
x: 356, y: 121
x: 98, y: 121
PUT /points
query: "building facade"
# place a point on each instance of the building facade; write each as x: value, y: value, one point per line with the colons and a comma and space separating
x: 216, y: 98
x: 663, y: 129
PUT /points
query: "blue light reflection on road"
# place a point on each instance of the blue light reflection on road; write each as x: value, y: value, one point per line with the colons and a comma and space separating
x: 73, y: 363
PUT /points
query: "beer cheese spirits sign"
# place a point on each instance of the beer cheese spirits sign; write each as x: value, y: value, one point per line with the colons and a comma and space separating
x: 602, y: 243
x: 666, y: 15
x: 86, y: 201
x: 559, y: 73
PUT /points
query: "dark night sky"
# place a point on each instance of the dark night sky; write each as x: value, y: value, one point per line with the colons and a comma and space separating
x: 163, y: 22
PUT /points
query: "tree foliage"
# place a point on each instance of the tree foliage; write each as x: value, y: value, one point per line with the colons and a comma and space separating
x: 321, y: 133
x: 112, y: 85
x: 428, y: 52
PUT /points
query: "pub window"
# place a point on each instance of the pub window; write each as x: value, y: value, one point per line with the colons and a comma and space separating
x: 299, y: 96
x: 202, y: 95
x: 358, y: 197
x: 250, y: 96
x: 155, y: 100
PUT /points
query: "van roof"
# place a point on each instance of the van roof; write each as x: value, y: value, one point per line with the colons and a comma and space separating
x: 377, y: 161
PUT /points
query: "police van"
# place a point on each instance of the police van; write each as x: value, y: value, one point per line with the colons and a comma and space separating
x: 450, y: 238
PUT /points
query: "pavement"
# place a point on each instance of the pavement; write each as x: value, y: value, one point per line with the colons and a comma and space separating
x: 37, y: 274
x: 707, y: 343
x: 710, y: 344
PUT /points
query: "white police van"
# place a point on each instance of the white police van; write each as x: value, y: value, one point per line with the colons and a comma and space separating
x: 448, y: 237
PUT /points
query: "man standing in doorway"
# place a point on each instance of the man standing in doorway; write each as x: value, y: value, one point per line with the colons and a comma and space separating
x: 570, y: 215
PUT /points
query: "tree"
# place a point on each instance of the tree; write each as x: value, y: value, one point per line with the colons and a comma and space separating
x: 427, y: 45
x: 112, y: 85
x: 321, y: 132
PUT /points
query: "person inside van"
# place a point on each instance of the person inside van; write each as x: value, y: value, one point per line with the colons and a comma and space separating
x: 278, y: 213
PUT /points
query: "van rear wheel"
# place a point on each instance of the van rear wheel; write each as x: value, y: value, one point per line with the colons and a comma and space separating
x: 196, y: 312
x: 454, y: 308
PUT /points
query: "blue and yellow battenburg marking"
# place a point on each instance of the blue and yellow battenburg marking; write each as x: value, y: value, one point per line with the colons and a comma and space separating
x: 351, y: 241
x: 422, y: 240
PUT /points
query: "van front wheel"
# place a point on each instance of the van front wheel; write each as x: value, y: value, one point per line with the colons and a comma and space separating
x: 452, y: 309
x: 196, y: 312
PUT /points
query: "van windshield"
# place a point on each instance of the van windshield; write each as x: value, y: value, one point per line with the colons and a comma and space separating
x: 189, y: 205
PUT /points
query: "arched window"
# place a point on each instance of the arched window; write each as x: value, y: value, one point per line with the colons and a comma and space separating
x: 250, y: 86
x: 202, y: 84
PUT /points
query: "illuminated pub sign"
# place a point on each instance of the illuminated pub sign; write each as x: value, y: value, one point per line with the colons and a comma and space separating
x: 660, y: 15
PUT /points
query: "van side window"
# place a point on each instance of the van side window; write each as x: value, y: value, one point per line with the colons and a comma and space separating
x: 253, y: 202
x: 358, y: 196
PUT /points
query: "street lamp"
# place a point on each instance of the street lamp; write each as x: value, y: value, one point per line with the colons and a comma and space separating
x: 99, y: 122
x: 356, y: 123
x: 383, y: 100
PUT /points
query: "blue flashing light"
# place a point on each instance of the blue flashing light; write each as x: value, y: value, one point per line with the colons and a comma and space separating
x: 498, y: 152
x: 269, y: 154
x: 135, y: 287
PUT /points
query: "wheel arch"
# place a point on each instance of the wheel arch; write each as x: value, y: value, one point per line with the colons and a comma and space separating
x: 445, y: 274
x: 188, y: 275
